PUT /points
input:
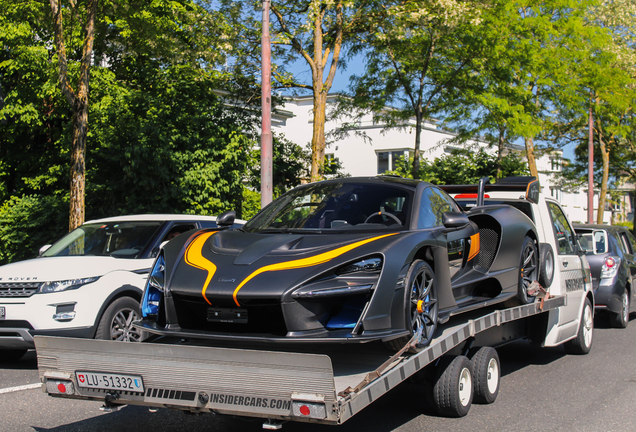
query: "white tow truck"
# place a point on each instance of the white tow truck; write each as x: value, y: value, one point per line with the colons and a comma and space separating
x: 330, y: 385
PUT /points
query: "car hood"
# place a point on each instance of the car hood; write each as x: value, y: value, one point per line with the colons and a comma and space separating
x: 233, y: 268
x: 67, y: 267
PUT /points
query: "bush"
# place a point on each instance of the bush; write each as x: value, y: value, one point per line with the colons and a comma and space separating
x: 27, y: 223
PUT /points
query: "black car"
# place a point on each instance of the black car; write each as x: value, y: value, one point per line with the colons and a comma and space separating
x: 610, y: 251
x: 343, y: 260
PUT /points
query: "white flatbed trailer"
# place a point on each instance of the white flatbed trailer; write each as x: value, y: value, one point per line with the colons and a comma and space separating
x: 279, y: 383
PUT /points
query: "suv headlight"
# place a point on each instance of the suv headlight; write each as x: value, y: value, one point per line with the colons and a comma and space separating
x: 56, y: 286
x: 154, y: 287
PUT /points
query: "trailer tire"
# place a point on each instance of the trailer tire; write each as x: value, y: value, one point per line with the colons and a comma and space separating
x: 420, y: 306
x: 621, y: 319
x: 546, y: 265
x: 486, y: 370
x: 116, y: 322
x: 582, y: 343
x: 9, y: 355
x: 453, y: 389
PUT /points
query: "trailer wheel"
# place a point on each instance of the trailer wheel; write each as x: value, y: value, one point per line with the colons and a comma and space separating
x: 453, y: 389
x: 116, y: 322
x: 621, y: 319
x: 420, y: 306
x: 528, y: 269
x: 582, y: 343
x: 486, y: 374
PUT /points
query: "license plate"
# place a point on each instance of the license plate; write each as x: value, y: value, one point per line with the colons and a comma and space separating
x: 2, y: 312
x: 110, y: 381
x: 224, y: 315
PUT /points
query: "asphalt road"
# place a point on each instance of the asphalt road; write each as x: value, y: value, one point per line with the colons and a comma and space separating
x: 541, y: 389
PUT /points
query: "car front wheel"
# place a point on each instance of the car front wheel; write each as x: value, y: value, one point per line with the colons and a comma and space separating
x: 420, y: 307
x: 116, y: 322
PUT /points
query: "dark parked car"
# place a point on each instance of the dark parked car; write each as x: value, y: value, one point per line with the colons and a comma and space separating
x: 345, y: 260
x: 610, y: 251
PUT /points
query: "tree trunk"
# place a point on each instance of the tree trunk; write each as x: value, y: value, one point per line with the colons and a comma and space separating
x: 416, y: 153
x: 79, y: 104
x: 603, y: 191
x: 532, y: 163
x: 318, y: 137
x: 500, y: 149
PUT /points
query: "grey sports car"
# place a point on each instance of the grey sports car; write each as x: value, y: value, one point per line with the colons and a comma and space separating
x: 344, y: 260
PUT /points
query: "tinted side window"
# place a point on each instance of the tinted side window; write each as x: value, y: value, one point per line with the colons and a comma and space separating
x: 564, y: 235
x: 433, y: 204
x: 627, y: 247
x: 632, y: 241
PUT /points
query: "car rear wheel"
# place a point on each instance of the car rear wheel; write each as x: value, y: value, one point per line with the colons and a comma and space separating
x: 420, y: 307
x: 11, y: 354
x: 582, y: 343
x: 620, y: 319
x: 528, y: 269
x: 116, y: 322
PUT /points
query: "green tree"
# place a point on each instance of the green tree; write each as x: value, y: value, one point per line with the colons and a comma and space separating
x: 418, y: 54
x: 465, y: 166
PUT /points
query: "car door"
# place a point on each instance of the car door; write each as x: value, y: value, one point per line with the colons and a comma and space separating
x: 629, y: 242
x: 568, y: 262
x: 433, y: 204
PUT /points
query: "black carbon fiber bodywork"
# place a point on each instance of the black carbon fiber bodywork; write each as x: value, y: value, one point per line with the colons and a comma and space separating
x: 298, y: 287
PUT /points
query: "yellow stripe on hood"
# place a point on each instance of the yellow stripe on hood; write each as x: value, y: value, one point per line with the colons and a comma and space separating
x: 305, y: 262
x: 194, y: 257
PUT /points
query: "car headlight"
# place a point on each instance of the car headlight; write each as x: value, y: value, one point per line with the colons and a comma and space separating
x: 57, y: 286
x: 367, y: 264
x: 154, y: 288
x: 351, y: 279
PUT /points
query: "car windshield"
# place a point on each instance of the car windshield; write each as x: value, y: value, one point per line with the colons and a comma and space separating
x: 334, y: 206
x: 117, y: 239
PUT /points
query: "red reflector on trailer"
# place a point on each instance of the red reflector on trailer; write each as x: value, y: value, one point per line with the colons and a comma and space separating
x: 304, y: 410
x: 61, y: 388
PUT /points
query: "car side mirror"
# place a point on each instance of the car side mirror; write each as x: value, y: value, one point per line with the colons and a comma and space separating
x: 226, y: 219
x: 454, y: 220
x: 43, y: 249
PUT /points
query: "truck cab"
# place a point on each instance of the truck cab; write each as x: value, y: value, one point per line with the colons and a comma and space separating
x: 564, y: 269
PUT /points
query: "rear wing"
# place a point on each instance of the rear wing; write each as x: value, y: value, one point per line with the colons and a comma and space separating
x: 527, y: 184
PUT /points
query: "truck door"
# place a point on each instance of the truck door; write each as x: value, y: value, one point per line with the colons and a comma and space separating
x: 568, y: 264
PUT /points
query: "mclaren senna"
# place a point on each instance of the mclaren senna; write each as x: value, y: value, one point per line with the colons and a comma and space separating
x: 343, y: 260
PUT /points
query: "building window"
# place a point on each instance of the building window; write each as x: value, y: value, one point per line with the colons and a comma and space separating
x: 555, y: 193
x: 556, y: 164
x: 387, y: 160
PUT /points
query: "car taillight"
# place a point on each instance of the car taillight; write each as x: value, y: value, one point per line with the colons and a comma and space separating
x: 610, y: 267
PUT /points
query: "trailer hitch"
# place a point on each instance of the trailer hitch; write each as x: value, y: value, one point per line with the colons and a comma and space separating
x: 109, y: 403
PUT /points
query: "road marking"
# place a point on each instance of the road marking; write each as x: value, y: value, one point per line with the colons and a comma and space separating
x: 19, y: 388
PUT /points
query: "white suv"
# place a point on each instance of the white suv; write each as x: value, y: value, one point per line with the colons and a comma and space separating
x: 88, y: 284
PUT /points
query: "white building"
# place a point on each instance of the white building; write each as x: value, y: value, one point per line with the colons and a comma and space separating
x: 375, y: 155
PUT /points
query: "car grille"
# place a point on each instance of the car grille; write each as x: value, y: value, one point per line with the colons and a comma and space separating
x: 18, y: 289
x: 15, y: 324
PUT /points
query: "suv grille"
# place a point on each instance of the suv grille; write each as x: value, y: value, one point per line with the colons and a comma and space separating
x: 18, y: 289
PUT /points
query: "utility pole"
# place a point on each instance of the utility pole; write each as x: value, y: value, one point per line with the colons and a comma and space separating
x: 266, y: 108
x: 590, y: 169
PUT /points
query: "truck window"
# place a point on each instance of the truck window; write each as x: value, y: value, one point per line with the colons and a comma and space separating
x: 564, y: 235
